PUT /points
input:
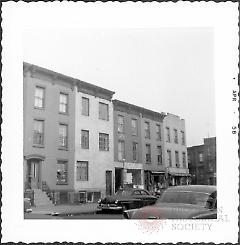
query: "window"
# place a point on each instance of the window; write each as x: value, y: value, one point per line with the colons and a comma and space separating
x: 63, y: 103
x: 158, y: 129
x: 134, y: 126
x: 85, y: 106
x: 148, y: 153
x: 135, y: 151
x: 39, y: 97
x: 38, y: 135
x: 183, y: 137
x: 103, y: 142
x: 159, y: 154
x: 120, y: 121
x: 62, y: 172
x: 200, y: 157
x: 63, y: 135
x: 169, y: 158
x: 82, y: 171
x: 184, y: 159
x: 168, y: 134
x: 85, y: 139
x: 121, y: 150
x: 103, y: 111
x: 177, y: 159
x: 147, y: 130
x: 175, y: 136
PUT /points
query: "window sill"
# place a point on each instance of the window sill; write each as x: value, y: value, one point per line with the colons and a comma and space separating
x: 81, y: 180
x: 38, y: 146
x: 104, y: 150
x: 103, y: 119
x: 39, y: 108
x: 61, y: 183
x: 84, y: 148
x: 63, y: 113
x: 63, y: 148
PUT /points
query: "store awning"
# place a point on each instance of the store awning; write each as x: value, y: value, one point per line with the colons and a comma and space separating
x: 180, y: 174
x: 158, y: 172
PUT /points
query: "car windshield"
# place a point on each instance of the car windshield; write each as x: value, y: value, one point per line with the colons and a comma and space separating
x: 124, y: 192
x: 196, y: 198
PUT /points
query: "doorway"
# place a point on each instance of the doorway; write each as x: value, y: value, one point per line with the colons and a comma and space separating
x: 108, y: 182
x: 118, y: 178
x: 34, y: 173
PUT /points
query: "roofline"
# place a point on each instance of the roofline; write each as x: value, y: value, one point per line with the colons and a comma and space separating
x: 137, y: 108
x: 74, y: 81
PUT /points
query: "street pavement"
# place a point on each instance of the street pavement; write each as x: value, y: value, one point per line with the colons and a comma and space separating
x: 80, y: 211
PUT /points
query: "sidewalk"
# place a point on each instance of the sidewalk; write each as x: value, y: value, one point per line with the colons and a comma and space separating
x: 66, y: 209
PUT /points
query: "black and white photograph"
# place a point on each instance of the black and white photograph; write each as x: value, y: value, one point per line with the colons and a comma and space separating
x: 126, y: 128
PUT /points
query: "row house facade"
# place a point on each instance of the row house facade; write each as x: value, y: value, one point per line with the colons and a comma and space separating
x: 79, y: 144
x: 175, y: 150
x: 202, y: 162
x: 68, y: 135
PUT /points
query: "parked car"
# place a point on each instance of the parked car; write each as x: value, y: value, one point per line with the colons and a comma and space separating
x: 127, y: 199
x: 27, y: 205
x: 180, y: 202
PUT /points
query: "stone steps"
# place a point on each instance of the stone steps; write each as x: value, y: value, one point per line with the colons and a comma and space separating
x: 41, y: 199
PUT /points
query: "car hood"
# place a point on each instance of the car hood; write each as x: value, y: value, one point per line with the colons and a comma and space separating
x: 113, y: 198
x: 166, y: 211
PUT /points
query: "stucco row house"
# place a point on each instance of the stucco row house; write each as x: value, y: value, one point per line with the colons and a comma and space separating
x: 80, y: 144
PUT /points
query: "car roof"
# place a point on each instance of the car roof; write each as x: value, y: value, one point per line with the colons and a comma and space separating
x: 194, y: 188
x: 132, y: 189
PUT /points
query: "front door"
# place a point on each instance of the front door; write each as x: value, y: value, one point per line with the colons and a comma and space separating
x: 34, y: 173
x: 108, y: 182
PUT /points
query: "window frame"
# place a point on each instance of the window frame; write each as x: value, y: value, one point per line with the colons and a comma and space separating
x: 100, y: 142
x: 88, y: 106
x: 120, y: 127
x: 148, y: 155
x: 63, y: 147
x: 43, y: 99
x: 134, y: 129
x: 168, y: 135
x: 99, y: 113
x: 175, y: 136
x: 123, y: 150
x: 82, y: 141
x: 147, y: 130
x: 169, y: 157
x: 67, y: 102
x: 65, y: 162
x: 87, y: 171
x: 159, y: 155
x: 35, y: 144
x: 158, y: 132
x: 177, y: 162
x: 135, y: 151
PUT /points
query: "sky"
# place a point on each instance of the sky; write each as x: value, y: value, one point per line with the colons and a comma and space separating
x: 164, y: 69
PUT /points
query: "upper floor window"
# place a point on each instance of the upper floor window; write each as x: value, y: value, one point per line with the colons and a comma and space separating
x: 200, y: 157
x: 168, y: 134
x: 103, y: 142
x: 134, y: 126
x: 103, y: 111
x: 159, y: 154
x: 85, y: 139
x: 39, y: 97
x: 158, y: 130
x: 63, y: 103
x: 85, y: 106
x: 148, y: 153
x: 62, y: 173
x: 38, y: 132
x: 82, y: 171
x: 147, y: 130
x: 175, y: 136
x: 177, y: 159
x: 120, y: 121
x: 169, y: 158
x: 135, y: 151
x: 121, y: 150
x: 183, y: 137
x: 63, y: 135
x: 184, y: 159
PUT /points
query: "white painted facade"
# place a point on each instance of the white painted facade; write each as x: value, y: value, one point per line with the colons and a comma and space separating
x: 175, y: 122
x: 98, y: 161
